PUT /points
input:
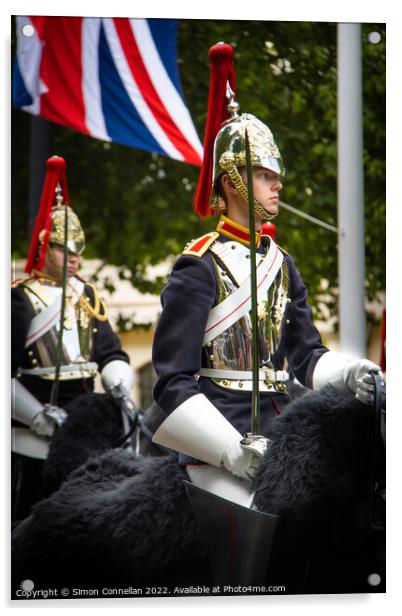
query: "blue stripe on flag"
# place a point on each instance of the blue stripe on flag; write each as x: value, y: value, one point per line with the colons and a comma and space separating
x: 20, y: 95
x: 164, y: 33
x: 123, y: 123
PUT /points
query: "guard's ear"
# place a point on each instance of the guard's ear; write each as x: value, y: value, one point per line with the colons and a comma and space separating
x: 227, y: 184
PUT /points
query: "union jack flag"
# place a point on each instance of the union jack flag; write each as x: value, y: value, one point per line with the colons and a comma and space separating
x: 115, y: 79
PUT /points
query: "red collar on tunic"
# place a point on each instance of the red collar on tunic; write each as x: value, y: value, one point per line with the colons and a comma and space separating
x: 234, y: 231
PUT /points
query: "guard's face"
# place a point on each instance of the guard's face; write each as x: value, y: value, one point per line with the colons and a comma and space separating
x: 267, y: 187
x: 54, y: 258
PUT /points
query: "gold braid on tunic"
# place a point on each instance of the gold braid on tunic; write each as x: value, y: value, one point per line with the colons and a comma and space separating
x: 99, y: 310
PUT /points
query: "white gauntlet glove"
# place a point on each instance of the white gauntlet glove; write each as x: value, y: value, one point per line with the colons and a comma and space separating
x: 43, y: 425
x: 337, y: 369
x: 358, y: 376
x: 45, y: 422
x: 240, y: 461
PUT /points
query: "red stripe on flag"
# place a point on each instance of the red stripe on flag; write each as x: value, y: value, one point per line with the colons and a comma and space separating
x: 151, y: 96
x: 39, y: 25
x: 61, y: 71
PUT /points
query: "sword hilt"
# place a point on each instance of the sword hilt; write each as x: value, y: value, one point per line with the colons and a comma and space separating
x: 256, y: 443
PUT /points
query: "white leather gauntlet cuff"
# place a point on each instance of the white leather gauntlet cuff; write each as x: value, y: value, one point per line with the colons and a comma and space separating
x: 23, y: 404
x: 198, y: 429
x: 330, y: 369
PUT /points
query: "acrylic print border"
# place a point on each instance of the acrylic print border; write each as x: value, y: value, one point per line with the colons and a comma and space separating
x: 254, y: 600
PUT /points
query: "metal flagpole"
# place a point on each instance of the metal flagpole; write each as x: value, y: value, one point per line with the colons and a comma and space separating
x: 351, y: 256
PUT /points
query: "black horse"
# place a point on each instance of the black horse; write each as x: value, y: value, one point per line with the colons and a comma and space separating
x: 93, y: 426
x: 119, y: 521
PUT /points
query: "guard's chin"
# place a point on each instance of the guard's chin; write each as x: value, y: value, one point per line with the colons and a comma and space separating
x: 271, y: 210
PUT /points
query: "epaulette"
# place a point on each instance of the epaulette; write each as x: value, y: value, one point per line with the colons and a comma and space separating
x: 31, y: 283
x: 198, y: 247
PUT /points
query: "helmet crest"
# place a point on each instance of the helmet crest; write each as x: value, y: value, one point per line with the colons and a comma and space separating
x: 224, y: 148
x: 47, y: 229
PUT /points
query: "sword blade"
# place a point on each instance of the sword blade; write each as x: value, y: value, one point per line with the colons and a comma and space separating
x: 255, y: 398
x: 54, y: 394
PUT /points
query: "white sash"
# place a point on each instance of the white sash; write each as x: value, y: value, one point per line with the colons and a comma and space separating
x: 45, y: 320
x: 237, y: 304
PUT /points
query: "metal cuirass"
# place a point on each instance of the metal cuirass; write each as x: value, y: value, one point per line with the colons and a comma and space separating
x: 231, y: 351
x: 42, y: 339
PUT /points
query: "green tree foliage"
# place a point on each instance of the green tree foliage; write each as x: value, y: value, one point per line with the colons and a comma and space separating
x: 136, y: 207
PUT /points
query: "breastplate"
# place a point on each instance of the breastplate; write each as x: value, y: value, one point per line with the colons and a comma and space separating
x: 232, y: 349
x: 77, y: 338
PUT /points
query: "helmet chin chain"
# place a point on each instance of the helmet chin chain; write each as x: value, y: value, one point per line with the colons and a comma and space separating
x: 226, y: 162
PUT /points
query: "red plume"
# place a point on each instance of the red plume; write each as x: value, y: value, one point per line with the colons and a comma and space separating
x: 221, y: 71
x: 55, y: 174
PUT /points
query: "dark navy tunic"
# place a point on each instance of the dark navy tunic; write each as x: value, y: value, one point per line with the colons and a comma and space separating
x: 106, y: 347
x: 191, y: 292
x: 27, y: 472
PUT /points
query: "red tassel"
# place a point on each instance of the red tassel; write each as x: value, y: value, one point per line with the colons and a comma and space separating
x: 221, y: 58
x: 55, y: 174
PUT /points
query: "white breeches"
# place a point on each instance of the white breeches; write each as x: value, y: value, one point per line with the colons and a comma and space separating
x: 221, y: 482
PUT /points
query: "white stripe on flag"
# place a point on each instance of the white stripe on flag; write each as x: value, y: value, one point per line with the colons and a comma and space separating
x: 163, y: 84
x: 91, y: 91
x: 134, y: 92
x: 29, y: 56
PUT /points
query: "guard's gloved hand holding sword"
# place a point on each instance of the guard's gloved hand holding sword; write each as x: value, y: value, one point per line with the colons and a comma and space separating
x: 242, y: 458
x: 50, y: 417
x: 41, y: 418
